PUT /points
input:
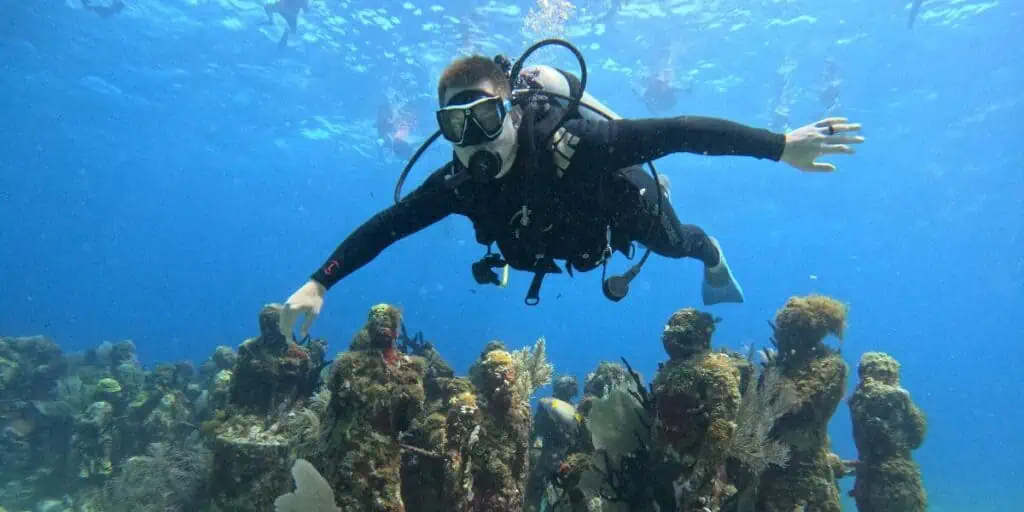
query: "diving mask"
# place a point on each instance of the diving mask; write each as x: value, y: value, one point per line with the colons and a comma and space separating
x: 473, y: 122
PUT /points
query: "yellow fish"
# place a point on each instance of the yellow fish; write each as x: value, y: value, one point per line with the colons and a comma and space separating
x: 561, y: 411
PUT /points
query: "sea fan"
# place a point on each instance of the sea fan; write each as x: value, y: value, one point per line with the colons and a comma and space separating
x: 312, y: 492
x: 762, y: 405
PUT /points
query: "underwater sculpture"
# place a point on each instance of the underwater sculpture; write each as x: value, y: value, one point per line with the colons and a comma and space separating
x: 817, y: 376
x: 696, y: 395
x: 566, y: 388
x: 489, y: 429
x: 887, y: 426
x: 376, y: 393
x: 390, y: 426
x: 265, y: 420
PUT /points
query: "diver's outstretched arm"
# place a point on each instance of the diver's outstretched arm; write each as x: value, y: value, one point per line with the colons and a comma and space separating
x: 622, y: 143
x: 429, y: 203
x: 270, y: 9
x: 626, y: 142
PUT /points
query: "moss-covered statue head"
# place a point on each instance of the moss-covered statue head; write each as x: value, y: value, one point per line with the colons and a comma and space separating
x: 108, y: 390
x: 383, y: 325
x: 688, y: 332
x: 498, y: 374
x: 566, y: 388
x: 880, y: 367
x: 803, y: 323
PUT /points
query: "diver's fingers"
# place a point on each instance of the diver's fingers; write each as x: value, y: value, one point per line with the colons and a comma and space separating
x: 822, y: 167
x: 829, y: 121
x: 846, y: 127
x: 833, y: 149
x: 310, y: 316
x: 844, y: 139
x: 287, y: 320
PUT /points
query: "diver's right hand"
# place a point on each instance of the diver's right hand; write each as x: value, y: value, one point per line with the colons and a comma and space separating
x: 307, y: 300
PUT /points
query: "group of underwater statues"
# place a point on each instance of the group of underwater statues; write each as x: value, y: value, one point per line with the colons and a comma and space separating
x: 388, y: 426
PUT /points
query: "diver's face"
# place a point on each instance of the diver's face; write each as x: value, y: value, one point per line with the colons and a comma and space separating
x: 504, y: 144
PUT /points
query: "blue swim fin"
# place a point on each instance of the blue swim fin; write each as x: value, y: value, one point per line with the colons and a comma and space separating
x: 719, y: 285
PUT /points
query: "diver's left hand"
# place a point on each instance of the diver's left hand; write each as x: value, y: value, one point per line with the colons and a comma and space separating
x: 826, y: 137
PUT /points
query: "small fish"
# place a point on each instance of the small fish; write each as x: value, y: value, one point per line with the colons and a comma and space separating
x: 915, y: 7
x: 561, y: 411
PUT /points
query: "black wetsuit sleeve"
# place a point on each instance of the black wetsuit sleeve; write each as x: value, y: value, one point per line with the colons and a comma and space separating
x: 625, y: 142
x: 429, y: 203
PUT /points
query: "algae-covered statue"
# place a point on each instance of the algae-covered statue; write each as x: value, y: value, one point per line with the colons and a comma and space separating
x: 697, y: 396
x: 887, y: 426
x: 817, y: 375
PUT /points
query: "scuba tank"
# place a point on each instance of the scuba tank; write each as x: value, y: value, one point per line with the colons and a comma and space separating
x: 554, y: 81
x: 570, y: 93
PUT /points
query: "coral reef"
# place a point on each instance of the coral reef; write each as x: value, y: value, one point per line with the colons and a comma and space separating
x: 166, y: 478
x: 391, y: 427
x: 816, y: 375
x: 887, y: 426
x: 607, y: 377
x: 81, y: 423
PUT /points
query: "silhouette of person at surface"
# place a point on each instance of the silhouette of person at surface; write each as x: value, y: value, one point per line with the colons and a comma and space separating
x: 470, y: 31
x: 394, y: 126
x: 660, y: 94
x: 915, y: 8
x: 289, y: 10
x: 659, y: 90
x: 104, y: 10
x: 828, y: 97
x: 782, y: 95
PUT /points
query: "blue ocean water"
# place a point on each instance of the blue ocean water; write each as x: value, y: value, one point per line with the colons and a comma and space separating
x: 166, y: 171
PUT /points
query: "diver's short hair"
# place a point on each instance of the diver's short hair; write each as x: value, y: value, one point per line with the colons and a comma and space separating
x: 468, y: 71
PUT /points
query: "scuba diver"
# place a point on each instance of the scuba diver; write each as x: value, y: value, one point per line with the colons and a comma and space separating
x: 289, y: 10
x: 104, y: 11
x: 828, y: 96
x: 783, y: 93
x: 915, y: 8
x: 659, y: 93
x: 659, y: 90
x: 546, y: 180
x: 394, y: 126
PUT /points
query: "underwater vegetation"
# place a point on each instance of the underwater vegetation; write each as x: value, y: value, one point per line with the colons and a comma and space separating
x: 389, y: 426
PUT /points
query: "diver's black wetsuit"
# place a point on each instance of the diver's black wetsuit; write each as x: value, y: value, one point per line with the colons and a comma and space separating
x: 568, y: 212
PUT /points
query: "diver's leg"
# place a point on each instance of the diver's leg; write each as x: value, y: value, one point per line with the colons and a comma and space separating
x: 663, y: 234
x: 292, y: 17
x: 666, y: 236
x: 270, y: 9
